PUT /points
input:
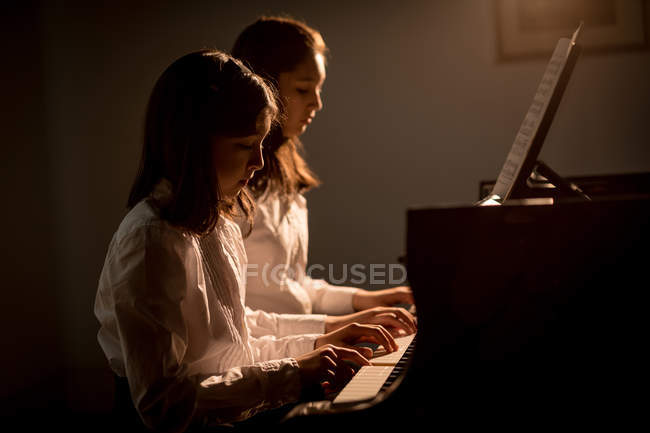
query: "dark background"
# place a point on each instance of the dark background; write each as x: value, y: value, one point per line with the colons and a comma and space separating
x: 418, y: 110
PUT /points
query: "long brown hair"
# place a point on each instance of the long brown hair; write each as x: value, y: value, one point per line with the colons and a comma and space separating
x: 270, y: 46
x: 202, y: 95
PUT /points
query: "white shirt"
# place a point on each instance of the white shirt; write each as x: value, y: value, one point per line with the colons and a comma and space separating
x: 173, y: 321
x: 277, y: 255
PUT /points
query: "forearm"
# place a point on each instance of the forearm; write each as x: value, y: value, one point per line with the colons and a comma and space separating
x: 232, y: 396
x: 242, y: 392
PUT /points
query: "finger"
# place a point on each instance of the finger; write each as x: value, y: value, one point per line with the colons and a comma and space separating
x: 366, y: 352
x: 329, y: 375
x: 344, y: 373
x: 397, y: 332
x: 402, y: 315
x: 391, y: 320
x: 383, y: 337
x: 378, y: 334
x: 407, y: 318
x: 388, y: 339
x: 328, y: 350
x: 347, y: 373
x: 328, y: 388
x: 352, y: 355
x: 327, y: 362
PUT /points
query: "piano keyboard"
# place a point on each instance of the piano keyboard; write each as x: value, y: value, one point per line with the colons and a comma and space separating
x: 365, y: 384
x: 371, y: 379
x: 380, y: 357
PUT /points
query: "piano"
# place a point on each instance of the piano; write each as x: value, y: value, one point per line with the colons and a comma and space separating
x: 530, y: 303
x: 526, y: 313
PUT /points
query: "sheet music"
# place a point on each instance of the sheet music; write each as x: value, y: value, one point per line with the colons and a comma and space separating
x: 532, y: 120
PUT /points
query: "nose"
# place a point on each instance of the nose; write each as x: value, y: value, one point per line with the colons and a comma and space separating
x: 256, y: 161
x: 317, y: 102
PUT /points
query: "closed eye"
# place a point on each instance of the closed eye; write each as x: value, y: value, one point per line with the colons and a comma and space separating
x: 250, y: 147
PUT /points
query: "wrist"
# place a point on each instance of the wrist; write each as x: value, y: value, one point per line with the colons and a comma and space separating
x: 330, y: 323
x: 359, y: 300
x: 319, y: 341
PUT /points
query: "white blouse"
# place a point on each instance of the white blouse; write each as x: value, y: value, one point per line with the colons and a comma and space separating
x: 173, y: 321
x: 277, y: 255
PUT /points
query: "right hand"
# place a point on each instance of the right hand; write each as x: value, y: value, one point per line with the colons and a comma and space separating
x: 354, y: 333
x: 394, y: 319
x: 326, y: 367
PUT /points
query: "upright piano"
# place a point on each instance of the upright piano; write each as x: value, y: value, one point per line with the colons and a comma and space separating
x: 533, y: 311
x: 530, y: 311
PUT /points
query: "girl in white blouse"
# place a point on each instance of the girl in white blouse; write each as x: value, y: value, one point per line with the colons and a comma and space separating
x: 170, y: 299
x: 291, y: 55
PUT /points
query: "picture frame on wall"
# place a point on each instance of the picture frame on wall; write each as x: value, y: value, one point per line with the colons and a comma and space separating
x: 531, y: 28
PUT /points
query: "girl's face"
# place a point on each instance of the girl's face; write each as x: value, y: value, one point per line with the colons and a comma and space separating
x: 237, y: 158
x: 300, y: 90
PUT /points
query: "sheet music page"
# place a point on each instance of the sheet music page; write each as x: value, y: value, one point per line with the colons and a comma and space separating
x: 529, y: 126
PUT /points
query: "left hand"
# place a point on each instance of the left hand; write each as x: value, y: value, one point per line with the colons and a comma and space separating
x: 364, y: 299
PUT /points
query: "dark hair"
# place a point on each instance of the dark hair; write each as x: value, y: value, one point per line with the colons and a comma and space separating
x: 270, y: 46
x: 202, y: 95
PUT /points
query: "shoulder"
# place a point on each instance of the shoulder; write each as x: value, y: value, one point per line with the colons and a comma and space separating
x: 229, y: 230
x: 143, y: 226
x: 270, y: 201
x: 300, y: 200
x: 146, y: 248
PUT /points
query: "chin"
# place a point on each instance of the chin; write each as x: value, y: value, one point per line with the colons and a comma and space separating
x: 233, y: 194
x: 294, y: 132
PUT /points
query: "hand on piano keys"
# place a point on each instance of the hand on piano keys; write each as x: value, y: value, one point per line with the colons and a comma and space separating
x: 355, y: 333
x: 384, y: 369
x: 396, y: 320
x: 382, y: 357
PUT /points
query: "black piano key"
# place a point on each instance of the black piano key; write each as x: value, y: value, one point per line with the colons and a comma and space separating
x: 400, y: 366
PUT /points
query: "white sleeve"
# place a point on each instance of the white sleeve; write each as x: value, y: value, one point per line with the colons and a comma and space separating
x: 155, y: 272
x: 243, y: 391
x: 268, y: 287
x: 270, y: 347
x: 327, y: 298
x: 277, y: 256
x: 261, y: 323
